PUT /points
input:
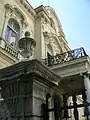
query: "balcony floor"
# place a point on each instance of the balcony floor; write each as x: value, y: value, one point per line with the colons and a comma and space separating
x: 72, y: 84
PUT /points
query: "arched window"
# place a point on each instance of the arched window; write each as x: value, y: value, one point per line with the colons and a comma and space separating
x: 12, y: 31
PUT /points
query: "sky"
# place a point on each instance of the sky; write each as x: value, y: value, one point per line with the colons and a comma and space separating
x: 74, y: 16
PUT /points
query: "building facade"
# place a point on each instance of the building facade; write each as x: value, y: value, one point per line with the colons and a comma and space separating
x: 17, y: 17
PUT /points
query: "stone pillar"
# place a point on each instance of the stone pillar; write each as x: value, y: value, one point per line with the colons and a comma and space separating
x: 24, y: 89
x: 87, y: 88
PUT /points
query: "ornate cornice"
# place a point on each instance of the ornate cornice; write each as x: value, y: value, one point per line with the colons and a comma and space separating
x: 54, y: 13
x: 32, y: 67
x: 41, y: 12
x: 41, y: 8
x: 28, y: 7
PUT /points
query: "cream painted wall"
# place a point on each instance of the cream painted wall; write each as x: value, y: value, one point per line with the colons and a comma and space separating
x: 36, y: 23
x: 28, y: 24
x: 29, y: 19
x: 5, y: 61
x: 2, y: 14
x: 38, y: 48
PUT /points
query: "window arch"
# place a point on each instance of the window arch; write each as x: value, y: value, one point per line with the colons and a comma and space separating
x: 12, y: 31
x: 50, y: 49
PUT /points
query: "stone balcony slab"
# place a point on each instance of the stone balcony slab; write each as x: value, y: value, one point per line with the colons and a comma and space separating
x: 71, y: 73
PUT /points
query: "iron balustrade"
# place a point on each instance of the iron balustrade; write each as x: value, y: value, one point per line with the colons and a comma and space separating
x: 67, y: 56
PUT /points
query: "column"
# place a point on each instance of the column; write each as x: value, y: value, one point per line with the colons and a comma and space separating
x: 87, y: 89
x: 75, y: 111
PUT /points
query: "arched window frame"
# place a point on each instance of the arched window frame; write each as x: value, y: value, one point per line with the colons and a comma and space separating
x: 13, y: 12
x: 12, y: 30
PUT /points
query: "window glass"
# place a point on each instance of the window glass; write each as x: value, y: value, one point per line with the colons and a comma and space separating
x: 13, y: 31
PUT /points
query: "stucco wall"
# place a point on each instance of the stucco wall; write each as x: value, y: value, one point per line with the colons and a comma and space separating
x: 37, y: 21
x: 25, y: 18
x: 28, y: 23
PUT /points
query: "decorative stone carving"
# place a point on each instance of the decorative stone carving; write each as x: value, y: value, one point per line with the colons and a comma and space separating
x: 13, y: 11
x: 28, y: 7
x: 26, y: 45
x: 50, y: 39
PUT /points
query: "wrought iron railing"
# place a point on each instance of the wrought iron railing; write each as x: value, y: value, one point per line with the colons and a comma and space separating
x: 67, y: 56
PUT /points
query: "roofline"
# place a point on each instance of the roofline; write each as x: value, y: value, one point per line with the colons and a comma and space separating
x: 27, y: 5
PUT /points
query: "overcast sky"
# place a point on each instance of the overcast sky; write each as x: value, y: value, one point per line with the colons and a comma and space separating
x: 75, y: 18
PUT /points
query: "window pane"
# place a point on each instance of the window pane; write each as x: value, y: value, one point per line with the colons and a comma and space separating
x: 16, y: 27
x: 13, y: 34
x: 13, y: 37
x: 10, y: 23
x: 7, y: 34
x: 12, y: 31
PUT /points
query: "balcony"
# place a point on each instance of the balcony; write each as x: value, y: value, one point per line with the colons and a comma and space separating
x: 9, y: 50
x: 64, y: 57
x: 70, y: 66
